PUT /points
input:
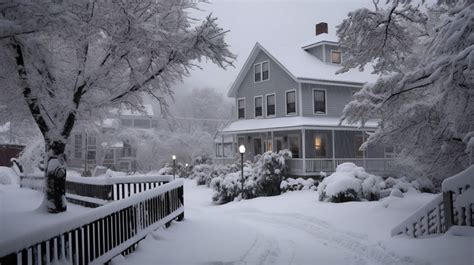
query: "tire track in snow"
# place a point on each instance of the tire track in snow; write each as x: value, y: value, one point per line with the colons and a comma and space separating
x: 267, y: 250
x: 360, y: 250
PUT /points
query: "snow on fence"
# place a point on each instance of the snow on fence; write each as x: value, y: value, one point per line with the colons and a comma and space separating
x: 96, y: 191
x: 455, y: 206
x: 100, y: 234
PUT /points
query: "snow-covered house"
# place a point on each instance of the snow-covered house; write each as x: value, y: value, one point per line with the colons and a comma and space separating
x: 290, y: 97
x: 94, y: 147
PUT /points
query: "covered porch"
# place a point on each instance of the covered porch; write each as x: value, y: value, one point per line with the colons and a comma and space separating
x: 315, y: 148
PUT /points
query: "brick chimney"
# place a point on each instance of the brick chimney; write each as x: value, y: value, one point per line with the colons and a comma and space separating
x: 321, y: 28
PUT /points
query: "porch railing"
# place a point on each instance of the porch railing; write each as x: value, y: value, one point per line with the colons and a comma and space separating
x: 100, y: 234
x: 316, y: 165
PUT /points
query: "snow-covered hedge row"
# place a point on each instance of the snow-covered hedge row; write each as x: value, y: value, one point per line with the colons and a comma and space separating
x: 261, y: 178
x: 352, y: 183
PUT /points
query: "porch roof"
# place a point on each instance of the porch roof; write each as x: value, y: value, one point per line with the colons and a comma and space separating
x: 289, y: 123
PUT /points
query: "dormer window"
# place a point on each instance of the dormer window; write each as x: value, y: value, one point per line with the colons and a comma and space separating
x: 258, y: 107
x: 241, y: 108
x: 336, y: 57
x: 261, y: 71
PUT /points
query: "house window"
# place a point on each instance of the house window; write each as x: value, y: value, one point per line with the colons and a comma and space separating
x: 358, y: 140
x: 241, y: 107
x: 126, y: 123
x: 262, y: 71
x: 336, y: 57
x: 320, y: 145
x: 141, y: 123
x: 109, y: 154
x: 319, y: 101
x: 258, y: 107
x: 257, y: 144
x: 270, y: 105
x: 290, y: 102
x: 78, y: 146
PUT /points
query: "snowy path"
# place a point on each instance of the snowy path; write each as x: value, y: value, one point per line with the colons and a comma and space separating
x: 291, y: 229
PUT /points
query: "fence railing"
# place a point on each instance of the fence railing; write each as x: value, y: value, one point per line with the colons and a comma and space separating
x: 455, y: 206
x: 100, y: 234
x: 96, y: 191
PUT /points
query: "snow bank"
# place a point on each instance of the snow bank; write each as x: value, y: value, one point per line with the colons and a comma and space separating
x: 8, y: 176
x: 350, y: 183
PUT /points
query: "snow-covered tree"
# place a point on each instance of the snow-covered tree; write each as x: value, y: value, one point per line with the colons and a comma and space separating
x: 69, y: 58
x: 425, y: 95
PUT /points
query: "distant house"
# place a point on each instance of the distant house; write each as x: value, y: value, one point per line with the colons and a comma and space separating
x: 291, y: 98
x: 90, y: 148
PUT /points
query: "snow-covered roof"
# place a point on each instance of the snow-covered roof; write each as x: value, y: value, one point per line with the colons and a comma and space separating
x: 303, y: 66
x: 227, y: 139
x: 319, y: 39
x: 285, y: 123
x: 148, y: 110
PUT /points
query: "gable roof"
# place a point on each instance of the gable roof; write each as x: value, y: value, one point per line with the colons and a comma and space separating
x: 302, y: 66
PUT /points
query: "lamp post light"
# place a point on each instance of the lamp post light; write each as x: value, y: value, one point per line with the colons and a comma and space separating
x: 242, y: 152
x: 174, y: 165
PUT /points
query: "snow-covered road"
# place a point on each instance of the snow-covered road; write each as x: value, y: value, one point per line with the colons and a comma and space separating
x: 295, y: 228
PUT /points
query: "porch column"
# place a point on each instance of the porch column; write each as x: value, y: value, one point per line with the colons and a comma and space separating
x: 333, y: 150
x: 303, y: 149
x: 273, y: 144
x: 364, y: 154
x: 223, y: 149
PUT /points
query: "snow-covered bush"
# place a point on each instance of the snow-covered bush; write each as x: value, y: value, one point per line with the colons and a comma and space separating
x: 291, y: 184
x: 350, y: 183
x: 261, y: 178
x: 202, y: 174
x: 8, y: 176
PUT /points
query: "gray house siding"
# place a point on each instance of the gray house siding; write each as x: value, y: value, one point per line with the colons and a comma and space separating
x: 336, y: 98
x: 278, y: 83
x: 317, y: 52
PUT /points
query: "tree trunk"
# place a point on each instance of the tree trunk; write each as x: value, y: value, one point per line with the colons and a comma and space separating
x: 55, y: 190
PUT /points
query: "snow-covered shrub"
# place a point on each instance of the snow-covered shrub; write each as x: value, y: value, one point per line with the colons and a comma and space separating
x: 228, y: 187
x: 350, y: 183
x: 423, y: 184
x: 202, y: 174
x: 401, y: 184
x: 291, y: 184
x: 261, y: 178
x: 270, y: 168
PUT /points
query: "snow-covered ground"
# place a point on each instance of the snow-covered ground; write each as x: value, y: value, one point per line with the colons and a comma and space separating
x: 20, y: 216
x: 295, y: 228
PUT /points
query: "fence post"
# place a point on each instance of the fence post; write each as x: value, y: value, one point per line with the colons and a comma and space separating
x: 448, y: 209
x: 167, y: 207
x: 181, y: 200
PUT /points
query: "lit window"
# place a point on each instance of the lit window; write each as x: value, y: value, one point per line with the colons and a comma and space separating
x: 320, y: 145
x: 358, y: 141
x: 290, y: 102
x: 261, y: 71
x: 241, y: 108
x: 270, y: 105
x: 336, y: 57
x: 319, y: 101
x: 258, y: 106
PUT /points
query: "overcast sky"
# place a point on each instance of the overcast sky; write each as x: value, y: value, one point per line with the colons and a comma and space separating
x: 283, y: 21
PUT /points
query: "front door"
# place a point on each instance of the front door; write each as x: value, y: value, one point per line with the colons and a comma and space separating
x: 294, y: 145
x: 278, y: 144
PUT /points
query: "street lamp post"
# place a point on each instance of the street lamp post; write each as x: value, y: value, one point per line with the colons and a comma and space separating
x: 242, y: 152
x: 174, y: 165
